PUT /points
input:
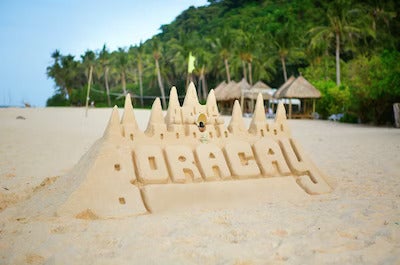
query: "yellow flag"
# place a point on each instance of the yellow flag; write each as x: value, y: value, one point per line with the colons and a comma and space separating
x: 191, y: 63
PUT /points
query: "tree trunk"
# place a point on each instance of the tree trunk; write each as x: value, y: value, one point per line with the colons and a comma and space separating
x: 106, y: 69
x: 160, y: 84
x: 123, y: 80
x: 284, y: 68
x: 250, y: 73
x: 198, y: 87
x: 66, y: 92
x: 69, y: 92
x: 337, y: 59
x: 228, y: 75
x: 244, y: 70
x: 88, y: 89
x: 326, y: 65
x: 140, y: 83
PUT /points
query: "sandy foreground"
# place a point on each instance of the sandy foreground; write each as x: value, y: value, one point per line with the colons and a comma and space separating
x: 358, y: 223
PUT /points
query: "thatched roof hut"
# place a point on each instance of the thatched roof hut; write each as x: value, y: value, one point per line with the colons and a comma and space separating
x: 260, y: 85
x: 236, y: 90
x: 230, y: 91
x: 299, y: 88
x: 226, y: 91
x: 250, y: 95
x: 284, y: 87
x: 219, y: 90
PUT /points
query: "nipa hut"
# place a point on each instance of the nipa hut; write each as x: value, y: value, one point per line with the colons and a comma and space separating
x: 301, y: 89
x: 219, y: 90
x: 226, y: 94
x: 250, y: 95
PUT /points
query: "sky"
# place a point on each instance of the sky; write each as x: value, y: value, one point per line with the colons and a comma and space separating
x: 30, y: 30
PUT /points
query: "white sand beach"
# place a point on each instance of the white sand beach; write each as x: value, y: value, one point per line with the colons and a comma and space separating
x: 358, y: 223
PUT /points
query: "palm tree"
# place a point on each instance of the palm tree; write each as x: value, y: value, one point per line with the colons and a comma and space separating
x: 69, y: 74
x: 88, y: 62
x: 177, y: 51
x: 379, y: 14
x: 121, y: 63
x: 140, y: 51
x: 243, y: 55
x: 157, y: 56
x: 55, y: 72
x: 223, y: 46
x: 203, y: 57
x: 381, y: 17
x: 281, y: 42
x: 344, y: 24
x: 247, y: 49
x: 104, y: 60
x: 244, y: 52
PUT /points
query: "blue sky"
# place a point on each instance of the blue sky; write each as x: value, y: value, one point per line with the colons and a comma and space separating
x: 30, y: 30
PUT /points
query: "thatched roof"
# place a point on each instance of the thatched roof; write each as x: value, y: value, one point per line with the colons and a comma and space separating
x: 260, y: 85
x: 298, y: 88
x: 253, y: 93
x: 224, y: 96
x: 283, y: 87
x: 231, y: 91
x: 219, y: 90
x: 236, y: 91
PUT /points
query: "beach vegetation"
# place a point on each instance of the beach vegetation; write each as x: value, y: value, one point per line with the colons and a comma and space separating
x: 348, y: 49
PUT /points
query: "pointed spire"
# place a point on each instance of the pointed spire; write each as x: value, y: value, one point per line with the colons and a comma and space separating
x: 259, y: 120
x: 113, y: 127
x: 191, y: 96
x: 237, y: 122
x: 128, y: 118
x: 173, y: 98
x: 259, y: 112
x: 212, y: 109
x: 173, y: 112
x: 280, y: 115
x: 156, y: 116
x: 211, y: 105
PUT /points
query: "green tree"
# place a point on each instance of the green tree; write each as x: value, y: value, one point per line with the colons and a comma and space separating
x: 247, y: 48
x: 55, y: 72
x: 70, y: 74
x: 157, y: 55
x: 374, y: 84
x: 104, y: 62
x: 204, y: 61
x: 345, y: 23
x: 88, y: 62
x: 121, y: 64
x: 285, y: 44
x: 223, y: 45
x: 139, y: 53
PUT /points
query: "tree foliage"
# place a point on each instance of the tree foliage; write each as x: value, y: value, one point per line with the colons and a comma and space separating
x: 347, y: 48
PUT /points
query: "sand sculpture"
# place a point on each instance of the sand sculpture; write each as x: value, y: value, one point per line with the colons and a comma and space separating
x: 189, y: 157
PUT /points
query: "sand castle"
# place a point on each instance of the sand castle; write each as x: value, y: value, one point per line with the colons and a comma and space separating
x: 189, y: 157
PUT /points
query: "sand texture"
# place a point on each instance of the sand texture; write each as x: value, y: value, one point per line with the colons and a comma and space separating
x: 357, y: 223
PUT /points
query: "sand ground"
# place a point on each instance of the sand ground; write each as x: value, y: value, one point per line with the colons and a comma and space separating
x: 358, y: 223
